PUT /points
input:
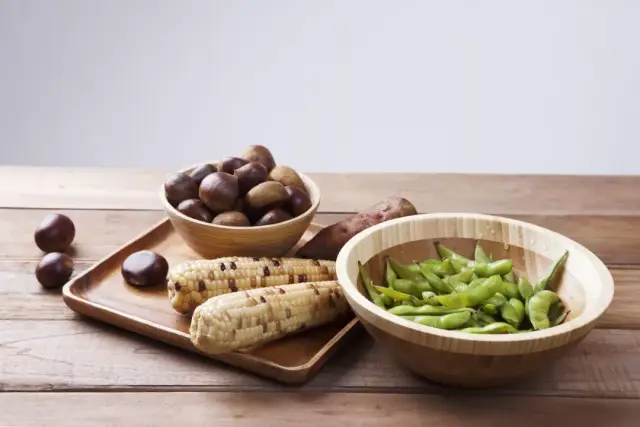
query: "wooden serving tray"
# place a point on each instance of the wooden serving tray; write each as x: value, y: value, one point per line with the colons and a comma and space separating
x: 101, y: 293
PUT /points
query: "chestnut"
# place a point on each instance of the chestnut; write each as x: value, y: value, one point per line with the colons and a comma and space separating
x: 55, y: 233
x: 230, y: 164
x: 274, y: 216
x: 54, y: 270
x: 200, y: 171
x: 250, y: 175
x: 232, y: 219
x: 145, y: 268
x: 298, y: 201
x: 194, y: 208
x: 178, y: 187
x: 219, y: 191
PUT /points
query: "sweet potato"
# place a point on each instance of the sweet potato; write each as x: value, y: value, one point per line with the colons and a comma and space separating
x: 328, y: 242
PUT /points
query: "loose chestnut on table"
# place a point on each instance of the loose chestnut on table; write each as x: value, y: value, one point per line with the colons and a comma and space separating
x: 55, y: 233
x: 54, y: 270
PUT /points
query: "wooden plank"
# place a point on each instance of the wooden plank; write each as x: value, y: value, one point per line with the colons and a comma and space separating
x: 317, y: 409
x: 86, y: 355
x: 615, y: 239
x: 113, y: 188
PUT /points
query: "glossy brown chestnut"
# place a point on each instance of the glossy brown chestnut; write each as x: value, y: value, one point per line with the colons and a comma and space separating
x: 194, y: 208
x: 178, y: 187
x: 145, y: 268
x: 54, y: 270
x: 200, y: 171
x: 55, y: 233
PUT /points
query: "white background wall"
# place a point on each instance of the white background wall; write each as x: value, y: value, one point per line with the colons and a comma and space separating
x: 366, y: 85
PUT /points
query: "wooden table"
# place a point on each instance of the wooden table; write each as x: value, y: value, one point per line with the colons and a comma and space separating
x: 55, y: 365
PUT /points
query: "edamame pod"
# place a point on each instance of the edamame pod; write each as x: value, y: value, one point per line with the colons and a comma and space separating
x: 493, y: 328
x: 403, y: 271
x: 404, y: 310
x: 387, y: 300
x: 443, y: 270
x: 509, y: 289
x: 447, y: 253
x: 480, y: 255
x: 430, y: 298
x: 475, y: 296
x: 390, y: 275
x: 500, y: 267
x: 436, y: 283
x: 513, y: 312
x: 555, y: 267
x: 412, y: 287
x: 368, y: 284
x: 490, y: 309
x: 399, y: 296
x: 482, y: 318
x: 456, y: 284
x: 497, y: 299
x: 560, y: 319
x: 447, y: 321
x: 509, y: 277
x: 538, y: 307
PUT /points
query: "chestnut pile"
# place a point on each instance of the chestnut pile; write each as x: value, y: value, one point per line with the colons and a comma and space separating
x: 250, y: 190
x: 54, y: 236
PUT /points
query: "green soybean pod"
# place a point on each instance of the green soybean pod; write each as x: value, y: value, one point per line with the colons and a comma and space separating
x: 368, y: 285
x: 399, y: 296
x: 483, y: 318
x: 403, y: 271
x: 446, y: 321
x: 430, y: 298
x: 510, y: 289
x: 493, y: 328
x: 500, y: 267
x: 443, y: 270
x: 538, y: 308
x: 390, y: 275
x: 412, y: 287
x: 425, y: 310
x: 490, y: 309
x: 513, y: 312
x: 497, y: 299
x: 544, y: 282
x: 473, y: 297
x: 480, y: 255
x: 447, y: 253
x: 387, y: 300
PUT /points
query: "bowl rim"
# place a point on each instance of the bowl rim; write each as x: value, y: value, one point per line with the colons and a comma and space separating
x: 314, y: 190
x: 582, y: 321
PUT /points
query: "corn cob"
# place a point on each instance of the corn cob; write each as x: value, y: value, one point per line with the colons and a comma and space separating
x: 240, y: 320
x: 191, y: 283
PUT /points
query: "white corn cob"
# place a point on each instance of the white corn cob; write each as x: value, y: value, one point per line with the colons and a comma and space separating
x: 191, y: 283
x: 240, y: 320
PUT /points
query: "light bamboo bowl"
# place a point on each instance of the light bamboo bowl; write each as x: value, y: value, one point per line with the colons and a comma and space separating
x: 472, y: 360
x: 213, y: 241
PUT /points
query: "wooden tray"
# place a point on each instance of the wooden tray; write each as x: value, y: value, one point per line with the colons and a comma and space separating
x: 101, y: 293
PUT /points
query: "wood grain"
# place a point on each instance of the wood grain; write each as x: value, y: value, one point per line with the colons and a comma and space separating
x: 86, y: 355
x: 120, y: 188
x: 308, y: 409
x: 615, y: 239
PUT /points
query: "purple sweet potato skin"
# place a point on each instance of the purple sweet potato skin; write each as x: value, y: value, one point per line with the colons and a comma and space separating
x: 327, y: 243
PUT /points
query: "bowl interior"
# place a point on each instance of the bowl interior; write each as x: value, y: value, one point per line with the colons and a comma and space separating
x: 585, y: 285
x: 533, y: 265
